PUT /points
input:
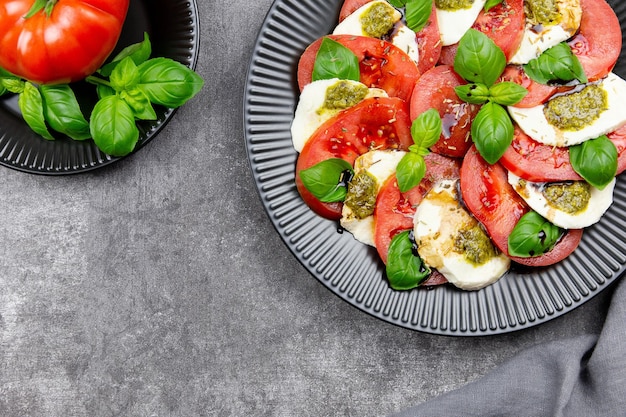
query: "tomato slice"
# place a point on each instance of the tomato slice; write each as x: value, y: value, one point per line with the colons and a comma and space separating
x: 537, y: 93
x: 383, y: 65
x: 619, y: 140
x: 435, y: 89
x: 599, y: 40
x: 374, y: 123
x: 491, y: 199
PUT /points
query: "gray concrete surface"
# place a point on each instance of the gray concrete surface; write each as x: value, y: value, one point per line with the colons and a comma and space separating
x: 158, y: 286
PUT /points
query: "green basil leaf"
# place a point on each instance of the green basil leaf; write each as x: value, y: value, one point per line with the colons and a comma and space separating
x: 492, y: 131
x: 490, y: 4
x: 139, y: 102
x: 167, y: 82
x: 479, y: 59
x: 533, y: 236
x: 113, y: 126
x: 31, y: 106
x: 595, y: 160
x: 417, y: 13
x: 333, y: 60
x: 405, y: 269
x: 397, y: 3
x: 139, y: 52
x: 125, y: 75
x: 473, y: 93
x: 507, y: 93
x: 426, y: 129
x: 62, y: 111
x: 556, y: 64
x: 410, y: 171
x: 325, y: 180
x: 104, y: 91
x: 13, y: 85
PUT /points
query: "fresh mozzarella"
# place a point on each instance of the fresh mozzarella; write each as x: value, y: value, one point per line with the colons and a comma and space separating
x: 398, y: 33
x: 532, y: 193
x: 380, y: 164
x: 538, y: 38
x: 441, y: 225
x: 311, y: 111
x: 535, y: 124
x: 454, y: 23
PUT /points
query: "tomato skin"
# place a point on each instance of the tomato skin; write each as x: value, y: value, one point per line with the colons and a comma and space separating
x: 435, y: 89
x: 374, y: 123
x: 599, y: 40
x: 71, y: 43
x: 383, y: 65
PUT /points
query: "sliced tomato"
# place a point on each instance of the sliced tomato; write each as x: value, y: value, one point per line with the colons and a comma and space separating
x: 382, y: 64
x: 598, y: 43
x: 493, y: 201
x: 395, y: 210
x: 374, y: 123
x: 435, y: 89
x: 619, y: 140
x: 504, y: 24
x: 537, y: 93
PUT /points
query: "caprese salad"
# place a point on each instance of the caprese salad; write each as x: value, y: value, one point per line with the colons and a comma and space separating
x: 459, y: 137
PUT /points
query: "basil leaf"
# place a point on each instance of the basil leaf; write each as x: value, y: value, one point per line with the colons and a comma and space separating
x: 113, y: 126
x: 492, y: 132
x: 491, y: 4
x: 556, y: 64
x: 507, y: 93
x: 417, y: 13
x: 138, y: 52
x: 168, y: 82
x: 62, y: 111
x: 139, y: 102
x: 325, y: 180
x: 333, y: 60
x: 104, y: 91
x: 595, y: 160
x: 13, y: 85
x: 410, y: 171
x: 397, y: 3
x: 478, y: 58
x: 533, y: 236
x: 125, y: 75
x: 405, y: 269
x: 426, y: 129
x: 473, y: 93
x: 31, y: 106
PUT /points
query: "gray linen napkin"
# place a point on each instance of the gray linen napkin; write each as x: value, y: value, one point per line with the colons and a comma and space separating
x: 579, y: 377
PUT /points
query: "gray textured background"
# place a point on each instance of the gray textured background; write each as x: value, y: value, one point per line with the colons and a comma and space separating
x: 158, y: 286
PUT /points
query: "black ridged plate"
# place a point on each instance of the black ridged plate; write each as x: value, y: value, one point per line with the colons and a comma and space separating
x: 351, y: 270
x: 173, y: 29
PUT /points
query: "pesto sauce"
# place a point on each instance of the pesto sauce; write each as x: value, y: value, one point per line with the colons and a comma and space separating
x: 378, y: 20
x: 577, y: 110
x: 542, y: 12
x: 362, y: 192
x: 343, y: 95
x: 570, y: 197
x: 451, y: 5
x: 475, y: 245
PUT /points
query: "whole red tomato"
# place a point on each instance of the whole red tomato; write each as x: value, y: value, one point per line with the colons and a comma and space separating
x: 58, y: 41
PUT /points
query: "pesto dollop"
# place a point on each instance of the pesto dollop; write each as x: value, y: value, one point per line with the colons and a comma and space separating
x: 451, y: 5
x: 542, y: 12
x: 378, y: 20
x: 577, y: 110
x: 361, y: 196
x: 344, y: 94
x: 570, y: 197
x: 475, y: 245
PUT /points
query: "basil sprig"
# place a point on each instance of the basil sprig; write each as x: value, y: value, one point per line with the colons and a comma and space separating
x: 416, y: 12
x: 327, y: 180
x: 533, y: 236
x: 425, y: 130
x: 595, y: 160
x: 333, y: 60
x: 481, y: 62
x: 405, y: 269
x: 557, y: 64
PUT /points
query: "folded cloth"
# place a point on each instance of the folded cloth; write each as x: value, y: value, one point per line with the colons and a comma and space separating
x: 583, y: 376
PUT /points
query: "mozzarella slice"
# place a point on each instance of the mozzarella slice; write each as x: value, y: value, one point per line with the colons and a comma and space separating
x: 533, y: 194
x: 380, y: 165
x: 539, y: 38
x: 446, y: 233
x: 454, y: 23
x: 395, y: 32
x: 535, y: 124
x: 311, y: 111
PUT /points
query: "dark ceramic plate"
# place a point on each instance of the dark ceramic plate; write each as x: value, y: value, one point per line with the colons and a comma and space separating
x: 173, y: 29
x: 351, y: 270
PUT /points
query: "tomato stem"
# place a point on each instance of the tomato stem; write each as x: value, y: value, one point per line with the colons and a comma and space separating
x: 39, y: 5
